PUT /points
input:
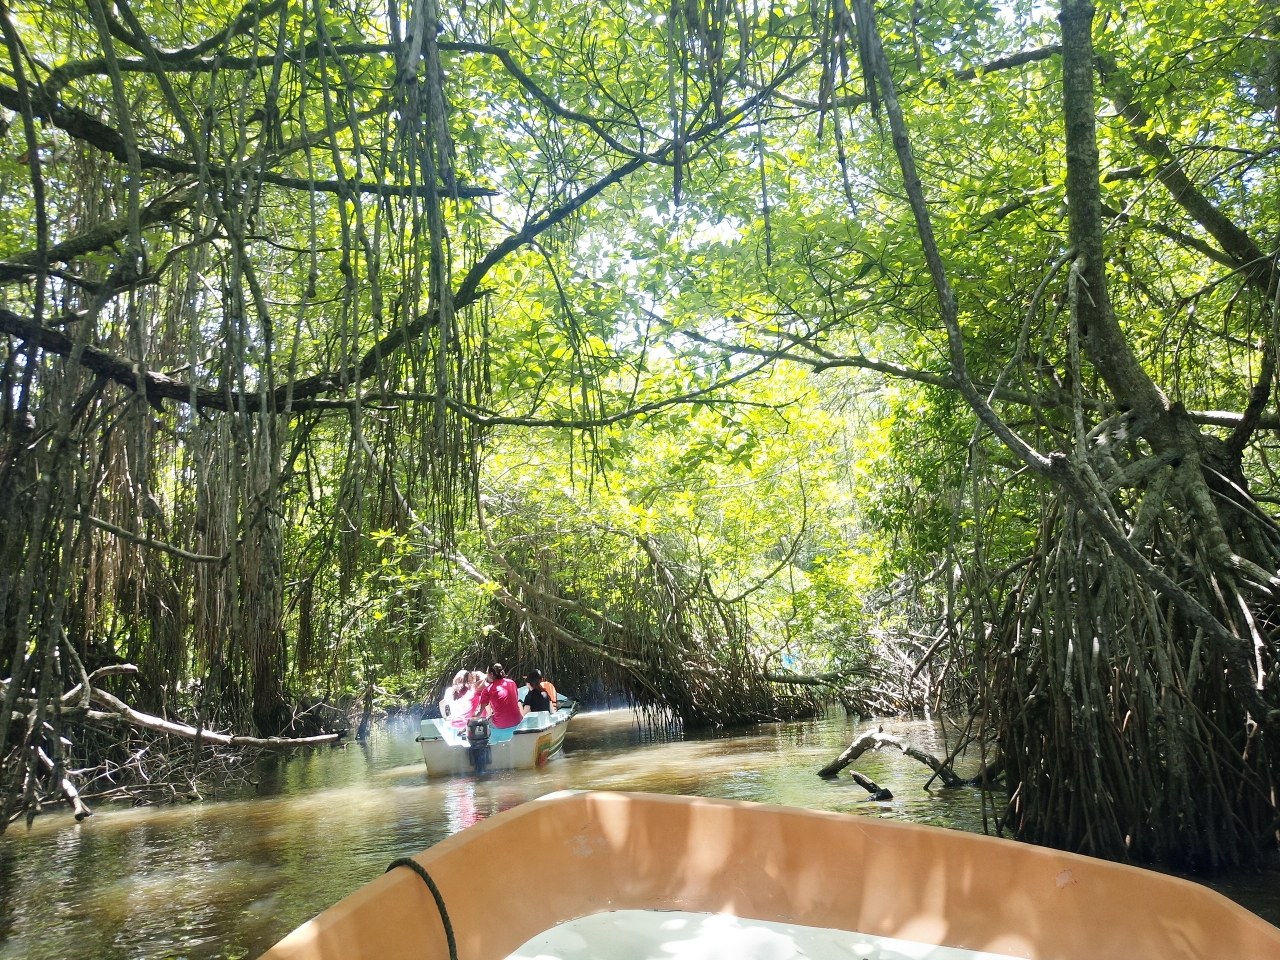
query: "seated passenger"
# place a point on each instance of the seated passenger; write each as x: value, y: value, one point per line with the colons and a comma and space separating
x: 458, y: 702
x: 537, y: 698
x: 550, y: 688
x: 499, y: 699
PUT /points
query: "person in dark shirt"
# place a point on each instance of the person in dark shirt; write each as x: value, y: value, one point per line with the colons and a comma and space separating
x: 537, y: 698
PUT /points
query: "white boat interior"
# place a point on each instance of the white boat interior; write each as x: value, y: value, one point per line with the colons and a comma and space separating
x: 679, y: 935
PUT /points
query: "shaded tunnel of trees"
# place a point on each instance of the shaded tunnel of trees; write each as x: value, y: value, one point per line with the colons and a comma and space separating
x: 744, y: 359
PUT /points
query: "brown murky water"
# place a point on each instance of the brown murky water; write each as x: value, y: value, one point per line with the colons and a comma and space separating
x: 228, y: 879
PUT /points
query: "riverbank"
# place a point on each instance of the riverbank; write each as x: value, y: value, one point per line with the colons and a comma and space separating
x: 228, y: 879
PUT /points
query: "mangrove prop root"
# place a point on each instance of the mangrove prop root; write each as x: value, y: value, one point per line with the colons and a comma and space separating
x: 1123, y: 731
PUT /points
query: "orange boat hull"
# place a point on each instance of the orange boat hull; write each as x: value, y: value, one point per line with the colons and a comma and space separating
x: 622, y: 851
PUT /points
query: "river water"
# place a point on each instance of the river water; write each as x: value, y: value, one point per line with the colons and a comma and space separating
x: 229, y: 879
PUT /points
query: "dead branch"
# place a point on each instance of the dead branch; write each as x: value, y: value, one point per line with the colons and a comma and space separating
x: 68, y: 789
x: 877, y: 792
x: 118, y: 708
x: 875, y: 739
x: 86, y: 681
x: 148, y: 542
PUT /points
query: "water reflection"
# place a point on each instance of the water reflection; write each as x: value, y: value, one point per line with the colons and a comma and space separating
x: 228, y: 879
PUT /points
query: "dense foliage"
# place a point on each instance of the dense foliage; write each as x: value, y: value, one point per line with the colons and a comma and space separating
x: 728, y: 358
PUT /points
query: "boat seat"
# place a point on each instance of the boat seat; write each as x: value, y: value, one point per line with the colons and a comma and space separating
x: 536, y: 720
x: 443, y: 730
x: 499, y: 735
x: 439, y: 729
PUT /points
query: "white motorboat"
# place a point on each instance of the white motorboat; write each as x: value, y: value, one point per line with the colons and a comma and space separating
x: 451, y: 748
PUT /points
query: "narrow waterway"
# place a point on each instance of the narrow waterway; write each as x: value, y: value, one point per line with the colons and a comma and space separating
x: 229, y: 879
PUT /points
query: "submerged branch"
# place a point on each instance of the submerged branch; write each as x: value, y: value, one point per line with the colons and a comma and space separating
x: 875, y: 739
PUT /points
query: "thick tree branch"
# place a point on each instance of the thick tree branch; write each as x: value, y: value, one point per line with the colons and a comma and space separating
x: 114, y: 707
x: 248, y: 18
x: 1177, y: 236
x: 829, y: 679
x: 84, y: 126
x: 1245, y: 255
x: 148, y: 542
x: 163, y: 387
x: 969, y: 73
x: 1006, y: 63
x: 158, y: 386
x: 23, y: 265
x: 1108, y: 348
x: 65, y: 73
x: 1236, y: 242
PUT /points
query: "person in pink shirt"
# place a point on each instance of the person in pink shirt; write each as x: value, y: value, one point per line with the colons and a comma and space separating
x: 458, y: 702
x: 499, y: 700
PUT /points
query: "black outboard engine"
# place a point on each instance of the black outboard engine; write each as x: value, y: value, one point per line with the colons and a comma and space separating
x: 478, y: 738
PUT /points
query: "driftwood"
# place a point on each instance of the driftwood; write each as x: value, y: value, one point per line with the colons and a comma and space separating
x: 76, y: 703
x: 144, y: 767
x: 143, y: 764
x: 118, y: 708
x: 875, y: 739
x: 69, y: 790
x: 877, y: 792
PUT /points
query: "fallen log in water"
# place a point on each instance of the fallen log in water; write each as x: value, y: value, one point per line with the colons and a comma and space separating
x: 77, y: 700
x: 875, y: 739
x: 135, y: 756
x: 180, y: 772
x: 877, y: 792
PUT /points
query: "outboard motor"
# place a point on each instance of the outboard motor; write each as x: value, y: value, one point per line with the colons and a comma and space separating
x: 478, y: 738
